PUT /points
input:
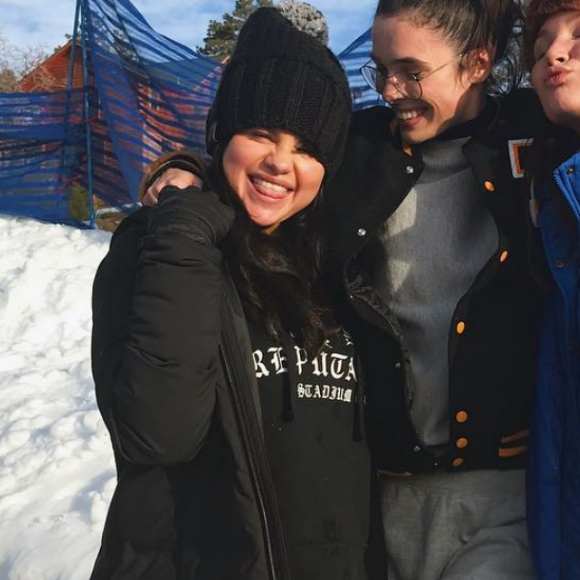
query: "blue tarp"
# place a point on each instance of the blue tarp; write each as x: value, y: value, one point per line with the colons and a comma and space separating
x: 147, y: 95
x: 352, y: 58
x: 41, y: 150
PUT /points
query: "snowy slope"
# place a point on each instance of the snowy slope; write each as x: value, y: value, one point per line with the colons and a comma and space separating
x: 56, y: 467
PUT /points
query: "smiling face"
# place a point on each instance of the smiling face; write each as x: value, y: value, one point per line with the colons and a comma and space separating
x: 556, y: 70
x: 271, y: 174
x: 451, y: 95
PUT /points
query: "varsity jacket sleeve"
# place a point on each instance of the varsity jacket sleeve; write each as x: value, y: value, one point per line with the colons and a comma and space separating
x: 156, y: 313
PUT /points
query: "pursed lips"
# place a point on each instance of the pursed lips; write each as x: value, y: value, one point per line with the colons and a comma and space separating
x: 556, y: 76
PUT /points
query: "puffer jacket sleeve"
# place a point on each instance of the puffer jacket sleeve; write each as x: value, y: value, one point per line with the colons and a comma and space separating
x: 156, y: 310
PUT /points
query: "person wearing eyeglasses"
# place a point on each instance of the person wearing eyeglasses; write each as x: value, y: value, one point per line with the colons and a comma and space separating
x: 432, y: 234
x: 429, y: 246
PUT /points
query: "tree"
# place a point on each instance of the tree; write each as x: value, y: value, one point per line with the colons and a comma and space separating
x: 222, y: 34
x: 17, y: 62
x: 8, y: 80
x: 8, y: 76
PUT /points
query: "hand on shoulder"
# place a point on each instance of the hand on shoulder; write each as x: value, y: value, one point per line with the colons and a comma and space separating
x: 180, y: 169
x: 179, y: 178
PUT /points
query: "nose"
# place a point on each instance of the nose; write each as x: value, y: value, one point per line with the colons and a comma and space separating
x: 279, y: 159
x: 557, y: 53
x: 391, y: 92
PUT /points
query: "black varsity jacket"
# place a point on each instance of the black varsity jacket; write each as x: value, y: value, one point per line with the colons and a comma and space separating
x: 493, y: 334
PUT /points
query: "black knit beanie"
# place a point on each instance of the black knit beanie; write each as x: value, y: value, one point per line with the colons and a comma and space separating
x: 280, y: 77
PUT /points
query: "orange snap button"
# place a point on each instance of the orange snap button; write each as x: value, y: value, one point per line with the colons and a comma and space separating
x: 458, y: 462
x: 460, y: 328
x: 489, y: 186
x: 462, y: 443
x: 504, y: 256
x: 461, y: 417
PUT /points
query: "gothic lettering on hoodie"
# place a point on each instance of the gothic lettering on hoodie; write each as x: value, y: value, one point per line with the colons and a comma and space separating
x: 316, y: 378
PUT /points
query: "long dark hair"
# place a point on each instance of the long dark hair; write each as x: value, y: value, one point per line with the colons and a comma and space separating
x: 470, y: 24
x: 278, y: 275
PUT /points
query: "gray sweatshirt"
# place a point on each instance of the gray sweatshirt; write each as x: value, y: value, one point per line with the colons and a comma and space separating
x: 436, y: 243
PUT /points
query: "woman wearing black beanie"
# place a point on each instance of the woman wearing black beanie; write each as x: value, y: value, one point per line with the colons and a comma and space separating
x: 228, y: 386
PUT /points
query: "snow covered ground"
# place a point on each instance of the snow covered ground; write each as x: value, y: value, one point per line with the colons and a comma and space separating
x: 57, y: 472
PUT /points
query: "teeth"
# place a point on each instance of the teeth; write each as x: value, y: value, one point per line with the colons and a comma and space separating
x: 269, y: 185
x: 406, y: 115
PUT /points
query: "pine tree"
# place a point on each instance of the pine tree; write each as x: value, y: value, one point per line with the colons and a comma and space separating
x: 222, y: 34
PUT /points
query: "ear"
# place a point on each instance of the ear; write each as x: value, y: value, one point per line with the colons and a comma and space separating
x: 479, y: 64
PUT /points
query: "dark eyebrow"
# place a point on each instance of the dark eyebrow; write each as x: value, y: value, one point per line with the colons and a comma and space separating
x: 401, y: 61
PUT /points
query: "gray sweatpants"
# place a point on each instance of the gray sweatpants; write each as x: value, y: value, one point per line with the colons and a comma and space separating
x: 456, y: 526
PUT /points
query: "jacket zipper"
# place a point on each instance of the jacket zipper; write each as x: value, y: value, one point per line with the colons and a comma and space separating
x: 393, y: 330
x: 273, y: 539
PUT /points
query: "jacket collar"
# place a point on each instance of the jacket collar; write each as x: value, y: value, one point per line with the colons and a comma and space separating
x: 373, y: 180
x: 568, y: 178
x: 377, y: 174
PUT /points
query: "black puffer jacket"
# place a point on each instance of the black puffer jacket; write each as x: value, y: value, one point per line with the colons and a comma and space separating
x: 172, y: 363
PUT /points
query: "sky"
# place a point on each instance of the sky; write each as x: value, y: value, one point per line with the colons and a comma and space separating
x: 45, y: 22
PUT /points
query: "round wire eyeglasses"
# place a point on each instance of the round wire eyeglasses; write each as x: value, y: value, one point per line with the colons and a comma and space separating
x: 408, y: 84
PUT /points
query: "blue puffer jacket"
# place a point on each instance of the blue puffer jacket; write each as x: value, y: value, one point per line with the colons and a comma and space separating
x: 554, y: 458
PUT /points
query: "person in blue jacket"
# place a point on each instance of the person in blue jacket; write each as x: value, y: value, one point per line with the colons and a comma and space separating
x: 553, y: 54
